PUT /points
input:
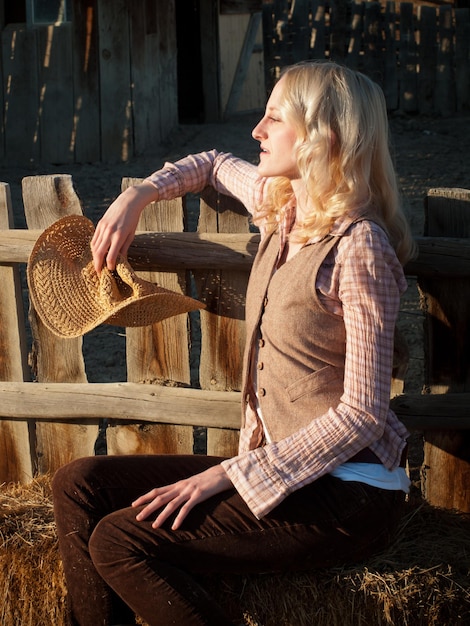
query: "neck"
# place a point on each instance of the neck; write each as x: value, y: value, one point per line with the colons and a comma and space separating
x: 301, y: 199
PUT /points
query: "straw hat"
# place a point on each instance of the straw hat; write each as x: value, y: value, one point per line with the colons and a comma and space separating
x: 71, y: 298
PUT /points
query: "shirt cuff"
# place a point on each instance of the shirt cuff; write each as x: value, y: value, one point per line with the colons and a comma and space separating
x: 256, y: 481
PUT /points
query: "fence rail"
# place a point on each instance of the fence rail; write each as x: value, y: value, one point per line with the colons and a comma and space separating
x: 59, y: 416
x: 419, y: 54
x: 438, y: 256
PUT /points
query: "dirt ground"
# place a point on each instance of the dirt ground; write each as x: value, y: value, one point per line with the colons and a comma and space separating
x: 429, y: 152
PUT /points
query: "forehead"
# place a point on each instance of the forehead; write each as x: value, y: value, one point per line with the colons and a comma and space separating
x: 276, y: 97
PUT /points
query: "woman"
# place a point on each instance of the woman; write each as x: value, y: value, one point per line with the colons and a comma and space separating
x: 319, y: 477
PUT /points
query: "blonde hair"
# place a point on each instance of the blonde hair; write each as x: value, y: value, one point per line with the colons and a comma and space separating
x: 342, y: 152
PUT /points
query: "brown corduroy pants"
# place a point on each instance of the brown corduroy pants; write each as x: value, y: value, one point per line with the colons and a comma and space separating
x: 116, y: 567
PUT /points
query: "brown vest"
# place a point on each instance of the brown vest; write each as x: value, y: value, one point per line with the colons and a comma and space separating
x: 301, y: 347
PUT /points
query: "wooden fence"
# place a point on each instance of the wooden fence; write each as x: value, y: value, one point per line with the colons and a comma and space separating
x: 420, y: 55
x: 50, y: 414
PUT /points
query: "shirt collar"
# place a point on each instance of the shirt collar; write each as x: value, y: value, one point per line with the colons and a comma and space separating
x: 338, y: 229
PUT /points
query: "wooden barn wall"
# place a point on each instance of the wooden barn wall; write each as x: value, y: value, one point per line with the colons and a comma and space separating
x: 233, y: 28
x: 103, y: 87
x: 419, y: 54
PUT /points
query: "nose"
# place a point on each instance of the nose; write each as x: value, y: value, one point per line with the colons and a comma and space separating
x: 258, y: 133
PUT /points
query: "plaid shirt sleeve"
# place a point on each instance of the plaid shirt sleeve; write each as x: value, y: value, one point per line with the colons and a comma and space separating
x: 364, y: 285
x: 227, y: 174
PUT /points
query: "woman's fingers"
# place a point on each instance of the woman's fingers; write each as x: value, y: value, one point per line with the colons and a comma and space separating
x: 169, y: 500
x: 183, y: 512
x: 171, y: 507
x: 183, y: 495
x: 146, y: 497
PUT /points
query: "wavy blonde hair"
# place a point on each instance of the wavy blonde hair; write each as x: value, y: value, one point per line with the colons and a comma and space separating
x: 343, y: 153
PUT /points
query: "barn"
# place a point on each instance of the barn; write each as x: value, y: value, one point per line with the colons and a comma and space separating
x: 108, y: 80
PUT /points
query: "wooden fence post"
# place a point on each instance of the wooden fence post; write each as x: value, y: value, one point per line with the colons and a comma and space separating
x: 446, y: 302
x: 223, y: 322
x: 17, y: 458
x: 46, y: 199
x: 158, y: 353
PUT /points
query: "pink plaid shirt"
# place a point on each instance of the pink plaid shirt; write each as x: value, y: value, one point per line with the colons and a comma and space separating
x: 361, y: 280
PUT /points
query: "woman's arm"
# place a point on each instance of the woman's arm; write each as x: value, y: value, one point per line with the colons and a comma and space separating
x: 226, y: 173
x: 116, y: 229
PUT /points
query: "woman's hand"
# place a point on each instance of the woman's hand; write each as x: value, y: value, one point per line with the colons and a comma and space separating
x: 116, y: 230
x: 183, y: 495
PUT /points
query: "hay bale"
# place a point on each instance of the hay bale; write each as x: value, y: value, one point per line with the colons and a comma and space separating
x: 32, y: 587
x: 422, y: 579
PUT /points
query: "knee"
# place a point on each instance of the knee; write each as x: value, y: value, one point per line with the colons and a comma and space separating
x: 71, y: 477
x: 99, y: 544
x: 110, y: 543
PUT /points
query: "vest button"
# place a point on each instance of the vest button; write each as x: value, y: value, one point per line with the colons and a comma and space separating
x: 261, y: 392
x: 260, y: 365
x: 265, y: 302
x: 261, y: 343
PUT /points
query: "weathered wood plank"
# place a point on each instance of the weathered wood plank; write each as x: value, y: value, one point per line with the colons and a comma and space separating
x: 444, y: 96
x: 427, y: 58
x: 85, y: 50
x: 318, y: 42
x: 159, y: 353
x: 147, y: 92
x: 408, y: 100
x: 55, y: 75
x: 159, y: 251
x: 373, y: 50
x: 438, y: 256
x: 338, y: 28
x: 2, y: 80
x: 46, y: 199
x: 115, y: 81
x: 222, y: 323
x: 123, y: 401
x: 299, y: 19
x: 208, y: 24
x: 390, y: 86
x: 188, y: 406
x: 446, y: 303
x: 21, y: 119
x: 165, y: 66
x: 462, y: 58
x: 239, y: 6
x: 355, y: 39
x: 17, y: 460
x: 245, y: 79
x: 433, y: 411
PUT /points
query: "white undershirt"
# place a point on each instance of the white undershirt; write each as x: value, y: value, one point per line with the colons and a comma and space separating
x: 373, y: 474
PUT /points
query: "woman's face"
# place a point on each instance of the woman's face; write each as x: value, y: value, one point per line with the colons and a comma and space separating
x: 277, y: 137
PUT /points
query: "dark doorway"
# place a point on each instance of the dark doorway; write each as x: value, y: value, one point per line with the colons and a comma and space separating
x: 15, y: 13
x: 188, y: 40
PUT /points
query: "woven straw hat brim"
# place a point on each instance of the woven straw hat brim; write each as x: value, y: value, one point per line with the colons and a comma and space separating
x: 71, y: 299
